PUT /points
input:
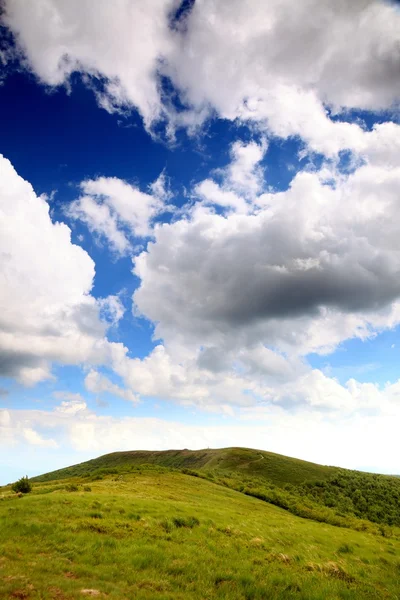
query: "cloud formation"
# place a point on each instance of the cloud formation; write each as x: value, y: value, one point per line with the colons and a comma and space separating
x: 97, y: 383
x: 47, y: 311
x: 287, y: 273
x: 118, y: 44
x: 281, y: 68
x: 245, y: 281
x: 309, y: 435
x: 117, y: 211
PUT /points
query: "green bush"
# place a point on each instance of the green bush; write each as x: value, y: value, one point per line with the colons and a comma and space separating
x: 178, y: 522
x: 345, y: 549
x: 71, y: 487
x: 22, y: 485
x: 188, y: 522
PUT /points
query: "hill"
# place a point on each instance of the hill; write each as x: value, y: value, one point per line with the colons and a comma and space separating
x: 156, y: 533
x: 328, y: 494
x: 273, y: 467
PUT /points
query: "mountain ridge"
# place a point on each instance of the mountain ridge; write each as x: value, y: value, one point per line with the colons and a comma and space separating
x: 276, y: 467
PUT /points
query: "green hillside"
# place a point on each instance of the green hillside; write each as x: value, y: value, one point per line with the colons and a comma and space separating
x: 326, y: 494
x: 155, y: 533
x: 274, y: 467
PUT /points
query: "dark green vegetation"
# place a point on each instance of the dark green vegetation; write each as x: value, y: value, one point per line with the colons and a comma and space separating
x: 275, y: 467
x: 120, y: 529
x: 22, y: 486
x: 328, y: 494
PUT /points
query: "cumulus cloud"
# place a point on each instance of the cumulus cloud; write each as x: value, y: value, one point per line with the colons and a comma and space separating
x: 72, y: 406
x: 276, y: 64
x: 111, y: 309
x: 34, y: 438
x: 282, y: 67
x: 47, y: 311
x: 116, y: 210
x: 248, y: 281
x: 97, y: 383
x: 308, y: 434
x: 287, y: 273
x: 241, y: 181
x: 119, y: 44
x: 240, y: 298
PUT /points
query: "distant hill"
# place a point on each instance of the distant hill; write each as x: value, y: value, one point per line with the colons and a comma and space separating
x: 322, y: 493
x: 256, y: 463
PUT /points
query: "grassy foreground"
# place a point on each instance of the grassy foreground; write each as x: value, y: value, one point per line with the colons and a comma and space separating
x: 160, y: 534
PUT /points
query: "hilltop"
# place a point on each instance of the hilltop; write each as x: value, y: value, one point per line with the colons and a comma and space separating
x: 322, y: 493
x: 275, y: 467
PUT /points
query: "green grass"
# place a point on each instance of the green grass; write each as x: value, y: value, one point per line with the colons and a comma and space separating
x: 328, y: 494
x: 155, y: 533
x: 274, y: 467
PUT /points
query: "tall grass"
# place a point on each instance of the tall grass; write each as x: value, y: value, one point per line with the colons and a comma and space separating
x: 163, y: 535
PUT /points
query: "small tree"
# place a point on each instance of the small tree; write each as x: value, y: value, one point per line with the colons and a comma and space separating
x: 22, y: 485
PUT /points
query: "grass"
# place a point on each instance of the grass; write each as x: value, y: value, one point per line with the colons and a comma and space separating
x: 327, y: 494
x: 274, y: 467
x: 160, y: 534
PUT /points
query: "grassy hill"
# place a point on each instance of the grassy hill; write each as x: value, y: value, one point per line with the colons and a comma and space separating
x: 273, y: 467
x: 327, y: 494
x: 156, y: 533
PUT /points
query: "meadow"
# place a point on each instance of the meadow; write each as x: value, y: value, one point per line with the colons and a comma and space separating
x: 155, y: 532
x: 341, y: 497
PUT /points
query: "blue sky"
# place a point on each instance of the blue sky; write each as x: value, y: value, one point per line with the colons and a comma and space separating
x: 199, y: 239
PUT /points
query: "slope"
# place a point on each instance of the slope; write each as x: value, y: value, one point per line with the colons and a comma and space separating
x: 327, y: 494
x: 274, y: 467
x: 158, y: 534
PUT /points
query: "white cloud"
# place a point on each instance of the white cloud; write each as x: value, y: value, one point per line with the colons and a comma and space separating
x: 120, y: 42
x: 47, y: 312
x: 276, y: 63
x: 116, y: 210
x: 97, y: 383
x: 243, y: 174
x: 242, y: 179
x: 308, y: 434
x: 281, y: 66
x: 237, y: 298
x: 71, y: 407
x: 34, y: 438
x: 164, y: 376
x: 111, y: 309
x: 306, y: 269
x: 100, y: 220
x: 71, y: 404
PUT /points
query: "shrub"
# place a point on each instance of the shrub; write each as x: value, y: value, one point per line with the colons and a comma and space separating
x: 22, y: 486
x: 345, y: 549
x: 134, y: 516
x: 178, y: 522
x: 71, y: 487
x: 87, y: 488
x: 188, y: 522
x: 167, y: 525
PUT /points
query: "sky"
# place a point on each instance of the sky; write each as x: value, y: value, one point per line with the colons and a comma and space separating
x: 199, y: 230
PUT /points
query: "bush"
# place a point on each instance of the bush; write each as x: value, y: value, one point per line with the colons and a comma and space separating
x: 22, y: 486
x: 178, y: 522
x: 345, y: 549
x: 188, y: 522
x: 71, y: 487
x: 87, y: 488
